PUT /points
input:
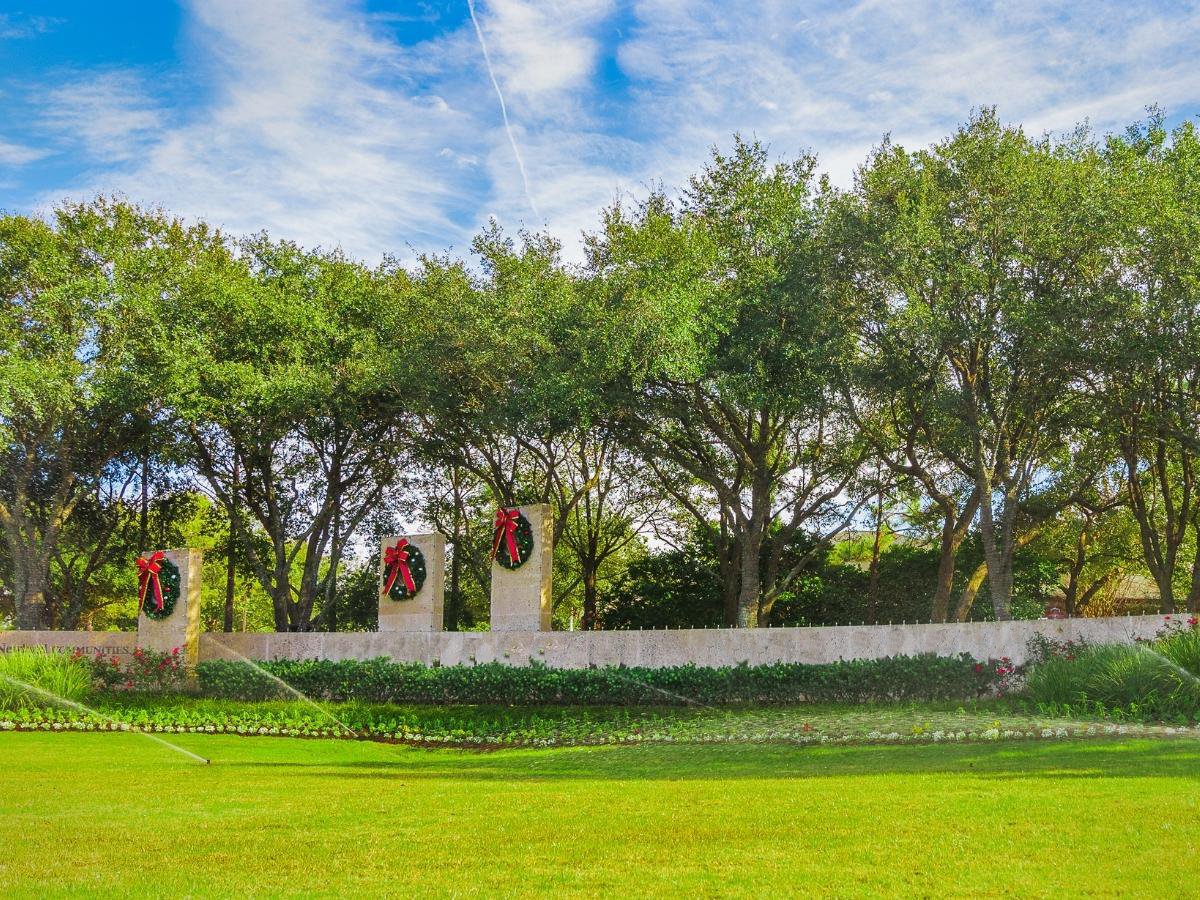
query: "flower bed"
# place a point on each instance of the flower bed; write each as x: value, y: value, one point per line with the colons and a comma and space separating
x: 541, y: 727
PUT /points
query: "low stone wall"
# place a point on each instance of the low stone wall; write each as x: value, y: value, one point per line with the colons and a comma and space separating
x: 90, y: 642
x: 702, y: 647
x: 651, y: 649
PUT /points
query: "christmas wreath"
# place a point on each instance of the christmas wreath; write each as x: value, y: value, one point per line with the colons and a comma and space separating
x: 404, y: 570
x: 158, y: 585
x: 513, y: 543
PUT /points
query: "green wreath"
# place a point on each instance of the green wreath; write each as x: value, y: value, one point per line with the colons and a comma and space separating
x: 168, y: 579
x: 523, y: 536
x: 416, y: 569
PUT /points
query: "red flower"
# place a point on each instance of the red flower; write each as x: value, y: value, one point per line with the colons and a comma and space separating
x: 978, y: 668
x: 1193, y: 621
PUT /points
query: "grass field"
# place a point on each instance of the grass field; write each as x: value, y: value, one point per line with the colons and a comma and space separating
x: 117, y: 814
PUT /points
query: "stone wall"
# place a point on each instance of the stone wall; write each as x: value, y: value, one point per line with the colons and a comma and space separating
x: 702, y: 647
x: 652, y: 649
x: 90, y: 642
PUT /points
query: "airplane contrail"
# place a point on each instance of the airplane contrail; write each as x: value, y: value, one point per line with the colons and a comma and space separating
x: 503, y: 108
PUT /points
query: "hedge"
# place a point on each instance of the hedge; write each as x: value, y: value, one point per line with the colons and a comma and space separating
x: 896, y: 678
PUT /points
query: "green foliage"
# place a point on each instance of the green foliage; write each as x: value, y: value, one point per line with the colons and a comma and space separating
x: 1159, y: 679
x: 673, y: 589
x: 924, y: 677
x: 682, y: 588
x: 547, y: 726
x: 143, y: 670
x: 26, y: 672
x: 1182, y: 647
x: 996, y: 317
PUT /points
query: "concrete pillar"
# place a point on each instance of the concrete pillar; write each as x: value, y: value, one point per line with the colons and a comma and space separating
x: 521, y: 598
x: 423, y: 610
x: 182, y: 627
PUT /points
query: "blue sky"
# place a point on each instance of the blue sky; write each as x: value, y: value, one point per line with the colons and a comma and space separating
x: 376, y: 125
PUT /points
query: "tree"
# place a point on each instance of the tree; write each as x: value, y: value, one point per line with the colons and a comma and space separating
x: 513, y: 373
x: 1148, y: 372
x: 608, y: 522
x: 893, y: 391
x: 729, y: 337
x: 287, y: 370
x: 81, y: 374
x: 987, y: 257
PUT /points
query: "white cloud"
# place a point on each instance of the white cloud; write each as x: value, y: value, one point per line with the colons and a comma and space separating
x: 317, y: 124
x: 306, y: 131
x: 15, y: 27
x: 543, y: 48
x: 17, y: 154
x: 109, y: 113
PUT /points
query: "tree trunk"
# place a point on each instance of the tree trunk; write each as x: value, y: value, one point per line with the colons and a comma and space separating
x: 144, y: 511
x: 945, y: 573
x: 1166, y: 588
x: 30, y: 593
x: 970, y: 591
x: 1193, y: 602
x: 454, y: 608
x: 227, y: 624
x: 748, y: 592
x: 229, y: 560
x: 728, y: 564
x: 873, y: 577
x: 281, y: 593
x: 590, y: 618
x: 998, y: 553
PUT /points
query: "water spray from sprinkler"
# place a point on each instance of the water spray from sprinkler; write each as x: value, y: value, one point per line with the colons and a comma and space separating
x: 72, y: 704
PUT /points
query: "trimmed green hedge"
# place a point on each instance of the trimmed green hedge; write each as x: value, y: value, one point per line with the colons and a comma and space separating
x: 897, y: 678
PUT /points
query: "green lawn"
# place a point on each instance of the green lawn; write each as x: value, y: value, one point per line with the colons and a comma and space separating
x: 114, y: 813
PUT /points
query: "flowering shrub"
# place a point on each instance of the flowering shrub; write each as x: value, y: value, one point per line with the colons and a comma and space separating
x: 1041, y: 648
x: 1173, y: 625
x: 143, y: 670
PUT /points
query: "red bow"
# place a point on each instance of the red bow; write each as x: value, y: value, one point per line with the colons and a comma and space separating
x: 396, y: 560
x: 148, y: 569
x: 506, y: 528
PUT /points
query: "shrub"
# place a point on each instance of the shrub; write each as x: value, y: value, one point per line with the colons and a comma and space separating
x: 143, y: 670
x: 56, y: 673
x: 898, y: 678
x: 1182, y: 648
x: 1136, y: 679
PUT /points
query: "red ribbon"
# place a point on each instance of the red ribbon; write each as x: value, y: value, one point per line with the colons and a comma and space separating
x: 396, y: 560
x: 506, y: 529
x: 148, y: 569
